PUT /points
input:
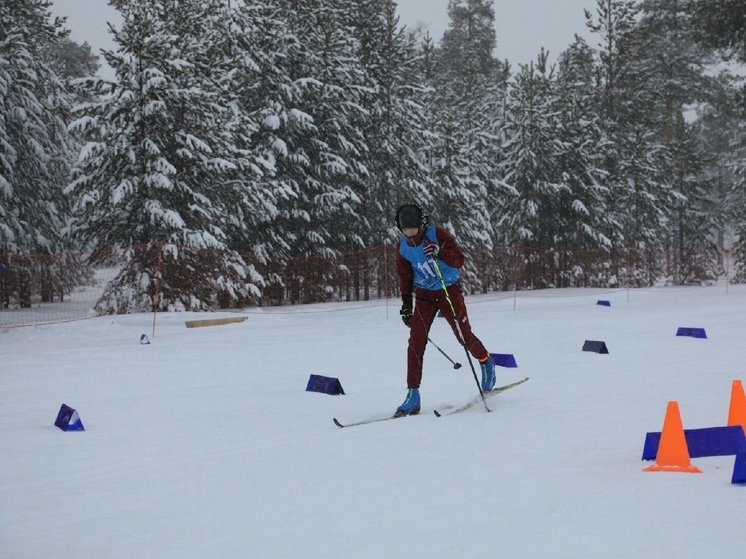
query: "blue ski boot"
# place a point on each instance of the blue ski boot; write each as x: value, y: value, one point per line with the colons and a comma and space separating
x: 488, y: 373
x: 411, y: 405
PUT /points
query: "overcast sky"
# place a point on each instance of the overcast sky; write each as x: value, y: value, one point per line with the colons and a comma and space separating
x: 522, y: 26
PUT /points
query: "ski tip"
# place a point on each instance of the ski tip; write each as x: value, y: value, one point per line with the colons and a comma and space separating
x: 337, y: 423
x: 437, y: 413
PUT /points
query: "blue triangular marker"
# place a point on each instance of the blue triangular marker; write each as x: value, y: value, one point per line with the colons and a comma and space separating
x: 325, y: 385
x: 504, y: 360
x: 692, y: 332
x: 68, y: 419
x: 595, y: 346
x: 144, y: 340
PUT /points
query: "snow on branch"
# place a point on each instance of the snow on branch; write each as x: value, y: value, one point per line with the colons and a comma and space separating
x: 192, y: 142
x: 91, y: 149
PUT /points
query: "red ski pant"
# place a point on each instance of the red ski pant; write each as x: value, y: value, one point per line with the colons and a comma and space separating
x: 426, y: 307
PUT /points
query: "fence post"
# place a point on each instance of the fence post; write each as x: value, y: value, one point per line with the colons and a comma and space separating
x: 629, y: 270
x: 386, y: 276
x: 515, y: 278
x: 158, y: 273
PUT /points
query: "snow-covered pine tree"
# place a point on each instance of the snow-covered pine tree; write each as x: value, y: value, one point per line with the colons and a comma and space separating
x: 675, y: 68
x: 466, y: 85
x: 721, y: 24
x: 151, y: 181
x: 529, y: 151
x: 734, y: 164
x: 635, y: 160
x: 552, y: 155
x: 35, y: 156
x: 71, y: 60
x: 394, y: 129
x: 326, y: 149
x: 263, y: 101
x: 737, y: 202
x: 581, y: 216
x: 720, y: 130
x: 426, y: 70
x: 695, y: 223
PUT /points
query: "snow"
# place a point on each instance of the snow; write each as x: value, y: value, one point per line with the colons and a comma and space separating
x: 206, y: 444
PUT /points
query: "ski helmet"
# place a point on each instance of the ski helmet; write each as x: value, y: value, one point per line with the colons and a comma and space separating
x: 411, y: 215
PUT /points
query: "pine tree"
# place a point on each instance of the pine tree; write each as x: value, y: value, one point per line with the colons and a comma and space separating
x: 581, y: 217
x: 721, y: 24
x: 726, y: 122
x: 737, y: 203
x: 636, y: 156
x: 326, y: 150
x: 467, y: 86
x: 675, y: 67
x: 468, y: 45
x: 70, y: 59
x: 394, y: 131
x: 151, y: 180
x: 36, y: 152
x: 32, y: 206
x: 394, y: 127
x: 261, y: 96
x: 528, y: 165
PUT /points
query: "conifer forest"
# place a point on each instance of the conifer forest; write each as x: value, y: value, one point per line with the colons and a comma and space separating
x: 256, y: 152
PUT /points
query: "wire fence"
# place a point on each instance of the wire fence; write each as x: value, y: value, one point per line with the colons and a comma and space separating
x: 44, y: 289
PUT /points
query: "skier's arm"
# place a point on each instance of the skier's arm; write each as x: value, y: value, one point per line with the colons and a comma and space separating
x: 449, y: 251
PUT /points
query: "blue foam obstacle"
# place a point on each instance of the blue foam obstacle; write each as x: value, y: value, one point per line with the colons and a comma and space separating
x: 739, y: 469
x: 604, y: 303
x: 325, y: 385
x: 504, y: 360
x: 692, y: 332
x: 595, y: 346
x: 711, y: 441
x: 68, y: 419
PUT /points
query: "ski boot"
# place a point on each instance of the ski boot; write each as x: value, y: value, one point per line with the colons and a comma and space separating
x: 488, y: 373
x: 411, y: 405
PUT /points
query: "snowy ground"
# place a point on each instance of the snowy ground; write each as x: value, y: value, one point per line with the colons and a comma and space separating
x: 206, y: 444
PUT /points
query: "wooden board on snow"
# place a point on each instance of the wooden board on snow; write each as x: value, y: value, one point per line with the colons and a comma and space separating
x: 214, y: 321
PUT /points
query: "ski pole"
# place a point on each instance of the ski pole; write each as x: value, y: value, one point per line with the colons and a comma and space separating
x: 460, y: 333
x: 455, y: 364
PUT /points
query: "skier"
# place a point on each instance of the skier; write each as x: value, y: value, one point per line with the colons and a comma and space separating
x: 427, y: 255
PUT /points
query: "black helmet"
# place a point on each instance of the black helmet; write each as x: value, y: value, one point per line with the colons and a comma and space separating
x: 411, y: 215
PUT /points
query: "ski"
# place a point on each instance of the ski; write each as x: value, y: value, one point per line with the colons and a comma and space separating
x: 472, y: 403
x: 478, y: 400
x: 366, y: 421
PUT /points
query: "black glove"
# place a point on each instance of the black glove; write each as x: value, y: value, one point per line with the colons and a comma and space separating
x: 406, y: 315
x: 431, y: 249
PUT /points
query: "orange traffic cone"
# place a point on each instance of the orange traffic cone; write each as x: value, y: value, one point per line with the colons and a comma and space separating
x: 673, y: 452
x: 737, y: 410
